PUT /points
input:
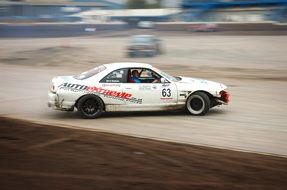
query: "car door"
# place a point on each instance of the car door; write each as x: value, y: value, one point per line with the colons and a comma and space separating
x: 150, y: 94
x: 111, y: 90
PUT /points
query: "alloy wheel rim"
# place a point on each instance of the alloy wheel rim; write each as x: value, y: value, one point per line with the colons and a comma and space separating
x: 90, y: 107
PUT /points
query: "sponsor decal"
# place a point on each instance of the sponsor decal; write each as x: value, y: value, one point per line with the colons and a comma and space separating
x: 184, y: 94
x: 111, y: 85
x: 144, y: 87
x: 165, y: 85
x: 123, y: 96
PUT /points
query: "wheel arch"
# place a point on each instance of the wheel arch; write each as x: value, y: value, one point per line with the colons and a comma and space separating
x: 212, y: 99
x: 210, y: 96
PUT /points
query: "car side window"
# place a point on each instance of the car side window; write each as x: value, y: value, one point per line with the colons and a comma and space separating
x: 116, y: 76
x: 145, y: 76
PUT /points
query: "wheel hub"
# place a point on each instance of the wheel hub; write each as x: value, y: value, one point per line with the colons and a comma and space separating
x: 90, y: 107
x: 196, y: 104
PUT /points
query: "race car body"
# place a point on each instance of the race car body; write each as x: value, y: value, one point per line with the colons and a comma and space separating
x: 133, y: 87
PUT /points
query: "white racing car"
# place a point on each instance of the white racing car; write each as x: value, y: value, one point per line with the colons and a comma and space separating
x: 133, y: 87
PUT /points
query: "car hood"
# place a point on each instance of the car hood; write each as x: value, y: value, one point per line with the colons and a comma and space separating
x: 195, y: 84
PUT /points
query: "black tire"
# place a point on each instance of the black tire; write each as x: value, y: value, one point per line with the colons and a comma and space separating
x: 198, y: 103
x: 90, y: 106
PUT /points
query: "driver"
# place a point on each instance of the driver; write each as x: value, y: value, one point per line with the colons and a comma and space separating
x: 135, y: 76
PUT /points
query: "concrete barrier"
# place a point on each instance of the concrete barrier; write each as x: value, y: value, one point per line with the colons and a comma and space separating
x: 81, y: 29
x: 224, y: 26
x: 57, y: 29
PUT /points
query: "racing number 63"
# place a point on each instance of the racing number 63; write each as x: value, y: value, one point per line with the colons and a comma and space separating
x: 166, y: 92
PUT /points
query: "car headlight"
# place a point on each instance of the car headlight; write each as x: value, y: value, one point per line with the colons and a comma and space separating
x: 225, y: 96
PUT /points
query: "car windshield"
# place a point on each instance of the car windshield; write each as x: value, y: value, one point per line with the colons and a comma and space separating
x: 89, y: 73
x: 141, y: 39
x: 164, y: 74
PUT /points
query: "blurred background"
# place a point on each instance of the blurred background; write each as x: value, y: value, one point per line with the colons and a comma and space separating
x: 78, y: 17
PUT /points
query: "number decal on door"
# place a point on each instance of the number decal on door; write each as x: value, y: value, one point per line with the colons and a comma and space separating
x: 166, y: 92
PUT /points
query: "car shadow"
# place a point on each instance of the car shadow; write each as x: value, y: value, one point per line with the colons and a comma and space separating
x: 174, y: 113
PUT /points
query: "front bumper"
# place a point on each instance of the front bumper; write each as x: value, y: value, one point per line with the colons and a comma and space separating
x: 224, y: 99
x: 225, y: 96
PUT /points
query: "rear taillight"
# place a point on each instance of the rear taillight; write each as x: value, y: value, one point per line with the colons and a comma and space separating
x: 224, y: 96
x: 52, y: 88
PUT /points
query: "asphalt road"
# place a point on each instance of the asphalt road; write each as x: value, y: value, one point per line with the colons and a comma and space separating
x: 254, y: 121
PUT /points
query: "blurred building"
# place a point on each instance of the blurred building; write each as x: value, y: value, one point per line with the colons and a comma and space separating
x: 50, y: 10
x: 172, y: 10
x: 234, y: 10
x: 131, y: 16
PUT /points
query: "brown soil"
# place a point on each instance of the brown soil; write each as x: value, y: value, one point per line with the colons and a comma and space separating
x: 34, y: 156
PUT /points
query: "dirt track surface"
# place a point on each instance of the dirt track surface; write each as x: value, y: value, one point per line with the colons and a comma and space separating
x: 254, y: 68
x: 44, y: 157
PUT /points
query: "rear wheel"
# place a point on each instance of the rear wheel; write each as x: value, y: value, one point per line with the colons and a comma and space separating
x: 198, y: 103
x: 90, y: 106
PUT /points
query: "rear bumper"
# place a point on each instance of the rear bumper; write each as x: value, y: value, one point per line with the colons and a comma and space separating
x: 58, y: 103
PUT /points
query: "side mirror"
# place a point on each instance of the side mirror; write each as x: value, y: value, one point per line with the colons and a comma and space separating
x: 163, y: 80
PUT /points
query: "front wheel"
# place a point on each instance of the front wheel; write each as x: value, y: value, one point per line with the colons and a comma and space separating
x: 90, y: 106
x: 198, y: 103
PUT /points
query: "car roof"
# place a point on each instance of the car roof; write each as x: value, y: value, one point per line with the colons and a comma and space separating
x: 119, y: 65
